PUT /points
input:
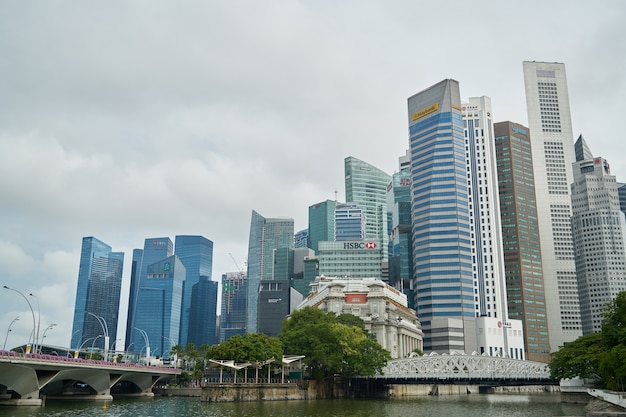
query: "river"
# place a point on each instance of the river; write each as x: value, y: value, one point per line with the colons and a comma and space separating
x: 492, y: 405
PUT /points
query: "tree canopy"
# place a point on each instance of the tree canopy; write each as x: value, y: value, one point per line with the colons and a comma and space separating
x: 332, y: 345
x: 249, y: 347
x: 598, y: 356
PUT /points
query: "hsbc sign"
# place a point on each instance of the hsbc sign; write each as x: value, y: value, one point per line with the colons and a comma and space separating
x: 359, y: 245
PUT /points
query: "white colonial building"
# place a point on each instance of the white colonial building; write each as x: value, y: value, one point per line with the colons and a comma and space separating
x: 383, y: 309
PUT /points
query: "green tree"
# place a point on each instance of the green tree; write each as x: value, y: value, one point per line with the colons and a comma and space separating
x: 249, y: 347
x: 580, y: 358
x: 330, y: 346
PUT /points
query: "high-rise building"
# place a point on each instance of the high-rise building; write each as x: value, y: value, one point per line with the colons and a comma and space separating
x: 366, y: 186
x: 97, y: 295
x: 301, y: 239
x: 159, y: 306
x: 599, y: 230
x: 154, y: 250
x: 301, y: 281
x: 202, y: 325
x: 349, y: 223
x: 520, y: 235
x: 552, y: 147
x: 351, y: 259
x: 234, y: 305
x: 321, y: 223
x: 196, y: 254
x: 265, y: 236
x: 399, y: 226
x: 442, y: 252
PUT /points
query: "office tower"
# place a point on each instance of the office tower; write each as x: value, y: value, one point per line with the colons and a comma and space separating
x: 621, y: 191
x: 301, y: 282
x: 366, y: 186
x: 97, y: 295
x: 274, y: 305
x: 349, y: 223
x: 265, y: 236
x: 599, y: 231
x: 321, y: 223
x: 301, y: 239
x: 351, y: 259
x: 442, y: 253
x: 159, y: 305
x: 196, y: 254
x: 202, y: 315
x: 234, y: 305
x: 154, y: 250
x: 552, y: 147
x: 399, y: 226
x: 520, y: 235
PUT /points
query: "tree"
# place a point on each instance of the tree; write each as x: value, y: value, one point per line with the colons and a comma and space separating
x: 250, y: 347
x: 580, y: 358
x: 331, y: 347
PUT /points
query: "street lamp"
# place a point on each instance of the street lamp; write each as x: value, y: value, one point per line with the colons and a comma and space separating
x: 9, y: 330
x: 44, y: 333
x: 105, y: 330
x: 146, y: 340
x: 93, y: 344
x: 29, y: 305
x: 36, y: 337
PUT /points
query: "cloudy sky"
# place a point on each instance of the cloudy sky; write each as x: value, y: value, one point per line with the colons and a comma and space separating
x: 126, y: 120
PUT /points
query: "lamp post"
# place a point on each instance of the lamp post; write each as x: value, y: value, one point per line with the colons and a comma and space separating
x: 171, y: 344
x: 29, y: 305
x: 8, y: 331
x: 105, y: 330
x: 146, y: 340
x: 77, y: 351
x: 93, y: 344
x: 36, y: 337
x: 44, y: 334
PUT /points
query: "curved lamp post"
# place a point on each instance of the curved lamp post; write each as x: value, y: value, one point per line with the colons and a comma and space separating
x: 36, y: 337
x: 44, y: 334
x: 93, y: 344
x: 105, y: 330
x: 29, y: 305
x: 146, y: 340
x: 8, y: 331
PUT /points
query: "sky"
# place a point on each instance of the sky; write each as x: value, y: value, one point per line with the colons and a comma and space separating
x: 128, y: 120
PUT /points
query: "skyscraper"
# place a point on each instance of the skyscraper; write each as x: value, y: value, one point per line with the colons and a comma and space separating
x: 202, y: 326
x: 196, y: 254
x: 154, y: 250
x: 321, y: 223
x: 520, y: 235
x: 159, y: 305
x: 366, y: 186
x: 234, y: 305
x: 97, y: 294
x: 442, y: 252
x: 599, y: 230
x: 400, y: 237
x: 265, y: 236
x: 349, y: 223
x: 552, y: 147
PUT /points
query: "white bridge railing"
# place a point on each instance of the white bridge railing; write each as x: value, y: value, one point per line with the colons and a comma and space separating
x: 460, y: 366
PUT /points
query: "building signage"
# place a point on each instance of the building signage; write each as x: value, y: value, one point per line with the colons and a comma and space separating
x: 455, y: 107
x: 359, y: 245
x: 405, y: 181
x: 428, y: 110
x: 356, y: 298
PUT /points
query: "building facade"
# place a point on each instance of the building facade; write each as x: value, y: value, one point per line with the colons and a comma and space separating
x: 97, y: 294
x: 549, y: 121
x: 349, y: 222
x: 196, y: 254
x: 321, y: 223
x: 442, y: 252
x: 366, y: 186
x: 234, y: 305
x: 383, y: 309
x: 520, y: 235
x: 599, y: 230
x: 351, y: 259
x: 265, y: 236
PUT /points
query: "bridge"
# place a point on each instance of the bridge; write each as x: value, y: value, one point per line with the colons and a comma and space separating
x: 28, y: 379
x: 486, y: 371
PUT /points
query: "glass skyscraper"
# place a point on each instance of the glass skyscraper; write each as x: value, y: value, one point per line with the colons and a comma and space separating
x: 265, y: 236
x: 349, y: 223
x: 321, y: 223
x: 97, y: 293
x: 159, y: 307
x: 442, y: 252
x: 366, y: 186
x: 234, y: 305
x: 202, y: 315
x: 196, y: 254
x: 154, y: 250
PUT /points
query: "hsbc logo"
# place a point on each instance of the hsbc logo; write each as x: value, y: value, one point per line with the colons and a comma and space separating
x: 359, y: 245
